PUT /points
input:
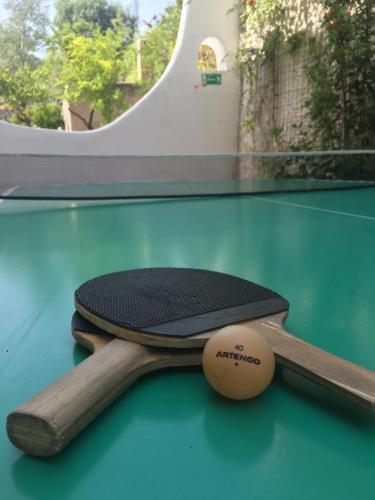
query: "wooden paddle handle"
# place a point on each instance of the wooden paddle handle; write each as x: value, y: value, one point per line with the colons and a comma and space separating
x: 346, y: 378
x: 46, y: 423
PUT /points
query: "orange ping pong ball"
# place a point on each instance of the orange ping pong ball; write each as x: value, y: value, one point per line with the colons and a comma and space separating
x: 238, y: 362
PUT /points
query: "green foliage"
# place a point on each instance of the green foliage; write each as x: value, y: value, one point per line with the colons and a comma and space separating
x: 90, y: 53
x: 23, y: 90
x: 277, y: 131
x: 130, y: 64
x: 341, y: 102
x: 42, y: 115
x: 344, y: 167
x: 158, y: 45
x: 342, y: 77
x: 24, y: 85
x: 296, y: 41
x: 23, y: 33
x: 91, y: 68
x: 249, y: 124
x: 262, y: 27
x: 80, y: 16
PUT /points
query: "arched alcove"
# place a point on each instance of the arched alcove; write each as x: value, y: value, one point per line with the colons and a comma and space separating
x: 212, y: 55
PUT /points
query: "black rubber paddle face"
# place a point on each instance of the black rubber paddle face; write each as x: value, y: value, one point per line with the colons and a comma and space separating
x: 80, y: 324
x: 175, y: 301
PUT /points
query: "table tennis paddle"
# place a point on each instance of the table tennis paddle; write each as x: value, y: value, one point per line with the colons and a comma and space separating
x: 170, y: 308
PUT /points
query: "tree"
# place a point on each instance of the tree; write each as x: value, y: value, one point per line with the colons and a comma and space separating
x: 45, y: 115
x: 159, y: 43
x: 89, y: 52
x: 91, y: 69
x: 24, y: 86
x: 26, y: 94
x: 22, y: 34
x: 81, y: 16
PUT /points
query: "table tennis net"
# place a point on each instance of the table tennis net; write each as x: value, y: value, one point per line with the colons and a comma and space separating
x: 46, y: 177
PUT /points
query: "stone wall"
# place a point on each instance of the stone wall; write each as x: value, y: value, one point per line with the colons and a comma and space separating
x: 273, y: 102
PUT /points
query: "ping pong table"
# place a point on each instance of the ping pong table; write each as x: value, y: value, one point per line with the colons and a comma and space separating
x: 170, y: 436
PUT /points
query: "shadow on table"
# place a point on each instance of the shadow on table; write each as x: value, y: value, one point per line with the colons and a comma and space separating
x: 292, y: 406
x: 57, y: 477
x: 238, y: 432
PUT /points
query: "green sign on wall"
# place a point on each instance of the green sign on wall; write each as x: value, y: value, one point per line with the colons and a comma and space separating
x: 211, y: 78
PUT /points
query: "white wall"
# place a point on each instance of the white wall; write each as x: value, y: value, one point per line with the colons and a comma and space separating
x: 174, y: 118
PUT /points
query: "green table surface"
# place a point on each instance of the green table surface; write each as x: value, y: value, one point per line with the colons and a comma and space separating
x: 170, y: 436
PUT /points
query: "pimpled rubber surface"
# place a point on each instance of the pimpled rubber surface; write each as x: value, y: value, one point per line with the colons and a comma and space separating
x: 141, y: 298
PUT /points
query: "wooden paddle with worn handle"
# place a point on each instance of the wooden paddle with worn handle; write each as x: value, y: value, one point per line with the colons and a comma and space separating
x: 44, y: 425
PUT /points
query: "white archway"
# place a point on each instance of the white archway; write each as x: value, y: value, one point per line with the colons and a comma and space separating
x: 174, y: 118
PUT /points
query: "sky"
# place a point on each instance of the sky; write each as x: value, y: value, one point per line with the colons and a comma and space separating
x: 147, y: 8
